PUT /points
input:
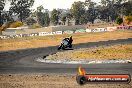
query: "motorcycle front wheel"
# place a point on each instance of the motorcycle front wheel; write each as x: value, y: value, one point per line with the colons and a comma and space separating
x: 59, y: 47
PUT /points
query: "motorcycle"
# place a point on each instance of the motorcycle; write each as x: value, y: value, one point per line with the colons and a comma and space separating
x: 66, y: 43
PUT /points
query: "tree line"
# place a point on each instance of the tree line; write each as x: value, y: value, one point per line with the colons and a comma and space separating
x: 80, y: 12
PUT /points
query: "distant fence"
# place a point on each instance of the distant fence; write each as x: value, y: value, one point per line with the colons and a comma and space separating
x: 80, y: 31
x: 111, y: 28
x: 67, y: 32
x: 32, y: 34
x: 96, y: 30
x: 49, y: 33
x: 124, y: 27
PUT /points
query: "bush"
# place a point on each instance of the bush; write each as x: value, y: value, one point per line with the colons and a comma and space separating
x: 34, y: 26
x: 128, y: 19
x: 30, y: 21
x: 119, y: 20
x: 5, y: 25
x: 16, y: 24
x: 0, y: 30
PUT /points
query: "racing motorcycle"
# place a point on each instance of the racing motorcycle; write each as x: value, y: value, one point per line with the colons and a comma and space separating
x: 66, y: 43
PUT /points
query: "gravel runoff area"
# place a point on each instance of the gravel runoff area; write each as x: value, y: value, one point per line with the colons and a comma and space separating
x: 50, y: 81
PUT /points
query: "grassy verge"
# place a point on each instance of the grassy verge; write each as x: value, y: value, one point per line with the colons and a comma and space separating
x: 44, y: 41
x: 113, y: 52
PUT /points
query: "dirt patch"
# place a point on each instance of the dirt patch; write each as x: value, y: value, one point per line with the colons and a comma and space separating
x: 50, y: 81
x: 44, y: 41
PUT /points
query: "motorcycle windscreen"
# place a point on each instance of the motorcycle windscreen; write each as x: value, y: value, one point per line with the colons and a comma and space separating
x: 65, y: 42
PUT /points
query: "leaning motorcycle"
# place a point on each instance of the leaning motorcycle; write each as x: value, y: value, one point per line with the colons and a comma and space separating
x: 65, y: 44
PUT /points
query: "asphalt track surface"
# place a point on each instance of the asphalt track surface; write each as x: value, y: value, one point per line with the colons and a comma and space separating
x: 23, y: 61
